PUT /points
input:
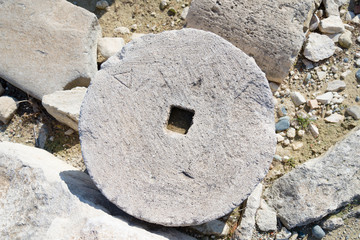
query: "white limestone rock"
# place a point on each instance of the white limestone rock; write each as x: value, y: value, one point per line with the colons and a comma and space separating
x: 336, y: 86
x: 129, y: 127
x: 271, y: 33
x: 8, y: 108
x: 319, y: 186
x: 46, y: 45
x: 44, y: 198
x: 318, y: 47
x: 325, y: 98
x: 109, y: 46
x: 247, y: 225
x: 64, y: 106
x: 331, y: 25
x: 297, y: 98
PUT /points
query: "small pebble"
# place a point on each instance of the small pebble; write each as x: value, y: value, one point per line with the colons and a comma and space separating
x: 357, y: 75
x: 103, y: 4
x: 357, y: 99
x: 317, y: 232
x: 346, y: 60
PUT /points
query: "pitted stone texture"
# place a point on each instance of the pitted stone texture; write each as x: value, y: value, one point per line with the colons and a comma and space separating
x: 318, y: 47
x: 41, y: 197
x: 271, y: 32
x: 166, y: 177
x: 320, y: 186
x: 47, y: 45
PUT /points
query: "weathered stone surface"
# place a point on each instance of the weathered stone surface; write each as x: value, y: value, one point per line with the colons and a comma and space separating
x: 334, y: 118
x: 42, y: 197
x: 336, y: 86
x: 270, y: 32
x: 47, y: 46
x: 110, y: 46
x: 345, y: 39
x: 325, y: 98
x: 318, y: 47
x: 247, y: 225
x: 158, y: 170
x: 297, y: 98
x: 331, y: 25
x: 354, y: 111
x: 319, y: 186
x: 266, y: 220
x: 65, y: 105
x: 7, y: 108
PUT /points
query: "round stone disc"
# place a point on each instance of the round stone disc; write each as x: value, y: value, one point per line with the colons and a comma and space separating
x: 178, y: 128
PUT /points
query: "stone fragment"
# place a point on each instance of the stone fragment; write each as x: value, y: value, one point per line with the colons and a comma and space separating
x: 331, y: 8
x: 279, y: 138
x: 336, y: 86
x: 268, y: 32
x: 301, y: 133
x: 247, y: 225
x: 318, y: 47
x: 184, y: 13
x: 215, y: 227
x: 297, y: 98
x: 2, y: 90
x: 8, y: 108
x: 297, y: 146
x: 102, y: 4
x: 322, y: 184
x: 354, y: 111
x: 291, y: 132
x: 317, y: 232
x: 356, y: 19
x: 321, y: 75
x: 313, y: 104
x: 325, y: 98
x: 331, y: 25
x: 122, y: 30
x: 65, y: 105
x: 334, y: 118
x: 333, y: 223
x: 134, y: 114
x: 42, y: 136
x: 46, y: 45
x: 266, y: 220
x: 110, y: 46
x: 345, y: 74
x: 345, y: 39
x: 282, y: 124
x: 42, y: 197
x: 314, y: 130
x: 274, y: 86
x: 284, y: 234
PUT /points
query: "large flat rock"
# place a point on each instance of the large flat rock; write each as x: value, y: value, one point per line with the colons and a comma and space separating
x: 269, y: 31
x: 42, y: 197
x: 319, y: 186
x: 46, y: 45
x: 180, y: 136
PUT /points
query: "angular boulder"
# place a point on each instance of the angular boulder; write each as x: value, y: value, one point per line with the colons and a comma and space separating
x: 65, y: 106
x: 272, y: 33
x: 46, y: 45
x: 183, y: 136
x: 320, y: 186
x: 42, y: 197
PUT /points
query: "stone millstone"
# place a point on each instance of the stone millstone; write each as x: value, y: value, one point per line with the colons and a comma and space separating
x: 270, y: 31
x: 178, y: 128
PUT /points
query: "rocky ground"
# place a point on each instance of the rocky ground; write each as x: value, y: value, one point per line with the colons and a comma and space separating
x: 309, y: 135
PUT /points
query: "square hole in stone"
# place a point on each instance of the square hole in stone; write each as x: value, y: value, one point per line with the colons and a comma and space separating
x: 180, y: 119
